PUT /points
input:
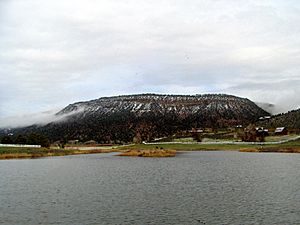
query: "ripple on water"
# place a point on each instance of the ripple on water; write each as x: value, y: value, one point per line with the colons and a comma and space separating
x: 194, y: 188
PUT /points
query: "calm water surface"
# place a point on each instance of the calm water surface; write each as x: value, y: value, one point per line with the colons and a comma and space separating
x: 210, y: 188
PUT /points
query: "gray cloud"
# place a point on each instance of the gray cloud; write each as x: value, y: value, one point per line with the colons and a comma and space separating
x: 53, y: 53
x: 284, y: 92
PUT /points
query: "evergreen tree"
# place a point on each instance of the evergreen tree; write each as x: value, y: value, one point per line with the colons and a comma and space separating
x: 21, y: 139
x: 7, y: 140
x: 38, y: 139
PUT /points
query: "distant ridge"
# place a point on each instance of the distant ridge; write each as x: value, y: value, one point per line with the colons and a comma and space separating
x: 290, y: 119
x: 121, y: 118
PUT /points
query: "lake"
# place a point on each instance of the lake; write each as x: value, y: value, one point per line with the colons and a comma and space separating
x: 212, y: 188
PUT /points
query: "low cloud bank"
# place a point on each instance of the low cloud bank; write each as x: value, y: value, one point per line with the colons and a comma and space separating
x: 282, y: 94
x: 280, y: 101
x: 89, y: 49
x: 41, y: 118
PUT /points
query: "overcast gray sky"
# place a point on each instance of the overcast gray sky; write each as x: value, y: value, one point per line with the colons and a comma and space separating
x: 55, y: 52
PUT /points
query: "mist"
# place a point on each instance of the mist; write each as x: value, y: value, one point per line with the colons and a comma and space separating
x: 53, y: 53
x: 40, y: 118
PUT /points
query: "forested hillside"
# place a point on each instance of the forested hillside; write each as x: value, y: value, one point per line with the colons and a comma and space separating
x: 122, y: 118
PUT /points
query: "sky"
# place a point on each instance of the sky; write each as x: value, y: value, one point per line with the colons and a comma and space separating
x: 56, y: 52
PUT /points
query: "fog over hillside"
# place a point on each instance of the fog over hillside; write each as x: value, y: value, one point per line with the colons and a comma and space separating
x: 54, y: 53
x: 122, y: 118
x: 43, y: 118
x: 39, y: 118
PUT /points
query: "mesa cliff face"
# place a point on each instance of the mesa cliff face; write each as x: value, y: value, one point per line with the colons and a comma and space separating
x: 181, y: 105
x: 121, y: 118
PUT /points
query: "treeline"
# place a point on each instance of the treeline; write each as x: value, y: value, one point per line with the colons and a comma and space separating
x: 137, y: 118
x: 290, y: 120
x: 118, y: 128
x: 125, y: 127
x: 30, y: 139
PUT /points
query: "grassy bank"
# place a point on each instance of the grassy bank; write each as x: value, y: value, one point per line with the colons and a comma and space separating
x: 289, y: 147
x: 293, y: 146
x: 157, y: 150
x: 186, y: 147
x: 15, y: 153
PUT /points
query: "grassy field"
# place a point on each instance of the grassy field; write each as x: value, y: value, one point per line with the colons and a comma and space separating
x: 13, y: 152
x: 293, y: 146
x: 288, y: 147
x: 279, y: 137
x: 186, y: 147
x: 273, y: 138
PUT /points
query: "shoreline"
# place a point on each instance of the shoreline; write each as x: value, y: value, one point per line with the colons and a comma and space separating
x: 149, y: 153
x: 142, y: 150
x: 272, y: 150
x: 41, y: 153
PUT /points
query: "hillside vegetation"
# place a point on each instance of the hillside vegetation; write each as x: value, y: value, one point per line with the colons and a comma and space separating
x: 290, y: 120
x: 123, y: 119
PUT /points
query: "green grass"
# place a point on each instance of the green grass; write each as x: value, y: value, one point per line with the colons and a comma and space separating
x: 280, y: 138
x: 287, y: 144
x: 13, y: 152
x: 185, y: 147
x: 208, y: 147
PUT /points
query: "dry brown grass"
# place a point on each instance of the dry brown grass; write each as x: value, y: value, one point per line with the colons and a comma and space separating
x: 249, y: 150
x: 15, y: 155
x: 27, y: 155
x: 149, y: 153
x: 95, y: 151
x: 44, y: 153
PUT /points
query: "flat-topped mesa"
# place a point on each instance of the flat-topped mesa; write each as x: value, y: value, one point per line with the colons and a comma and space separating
x: 161, y: 104
x: 128, y: 118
